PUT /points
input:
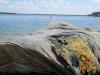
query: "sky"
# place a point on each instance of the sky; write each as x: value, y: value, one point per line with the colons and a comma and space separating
x: 67, y: 7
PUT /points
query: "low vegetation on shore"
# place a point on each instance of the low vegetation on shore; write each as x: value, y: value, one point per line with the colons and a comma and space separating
x: 95, y: 14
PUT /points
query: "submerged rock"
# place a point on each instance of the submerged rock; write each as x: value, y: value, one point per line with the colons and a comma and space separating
x: 61, y: 48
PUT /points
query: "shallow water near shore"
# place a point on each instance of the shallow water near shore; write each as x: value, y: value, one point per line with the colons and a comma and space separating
x: 13, y: 25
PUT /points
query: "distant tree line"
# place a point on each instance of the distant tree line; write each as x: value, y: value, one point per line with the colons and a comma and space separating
x: 95, y: 14
x: 6, y: 13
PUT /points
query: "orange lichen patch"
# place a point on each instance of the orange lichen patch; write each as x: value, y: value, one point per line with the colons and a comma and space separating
x: 85, y: 54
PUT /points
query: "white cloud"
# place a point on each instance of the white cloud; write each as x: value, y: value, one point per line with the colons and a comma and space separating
x: 96, y: 1
x: 45, y: 6
x: 3, y: 1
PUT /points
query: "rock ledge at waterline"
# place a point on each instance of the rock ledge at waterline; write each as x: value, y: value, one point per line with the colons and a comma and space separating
x: 61, y: 48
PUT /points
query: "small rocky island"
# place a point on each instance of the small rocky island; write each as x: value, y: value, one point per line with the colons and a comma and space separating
x: 61, y: 48
x: 97, y: 14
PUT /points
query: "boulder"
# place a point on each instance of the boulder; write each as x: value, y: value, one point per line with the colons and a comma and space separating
x: 60, y: 47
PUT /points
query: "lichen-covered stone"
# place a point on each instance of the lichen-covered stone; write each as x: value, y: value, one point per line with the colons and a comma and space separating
x: 61, y: 48
x: 81, y: 54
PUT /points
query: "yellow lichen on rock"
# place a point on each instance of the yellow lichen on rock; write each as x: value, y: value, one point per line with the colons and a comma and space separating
x: 78, y: 53
x: 85, y: 55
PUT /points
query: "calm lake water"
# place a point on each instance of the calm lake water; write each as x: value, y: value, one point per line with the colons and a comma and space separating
x: 24, y: 24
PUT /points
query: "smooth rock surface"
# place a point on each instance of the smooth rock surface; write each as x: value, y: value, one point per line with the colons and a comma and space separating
x: 61, y: 48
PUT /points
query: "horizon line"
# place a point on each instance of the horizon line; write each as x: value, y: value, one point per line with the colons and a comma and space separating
x: 41, y: 14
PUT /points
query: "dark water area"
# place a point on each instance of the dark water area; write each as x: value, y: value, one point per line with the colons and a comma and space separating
x: 11, y: 25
